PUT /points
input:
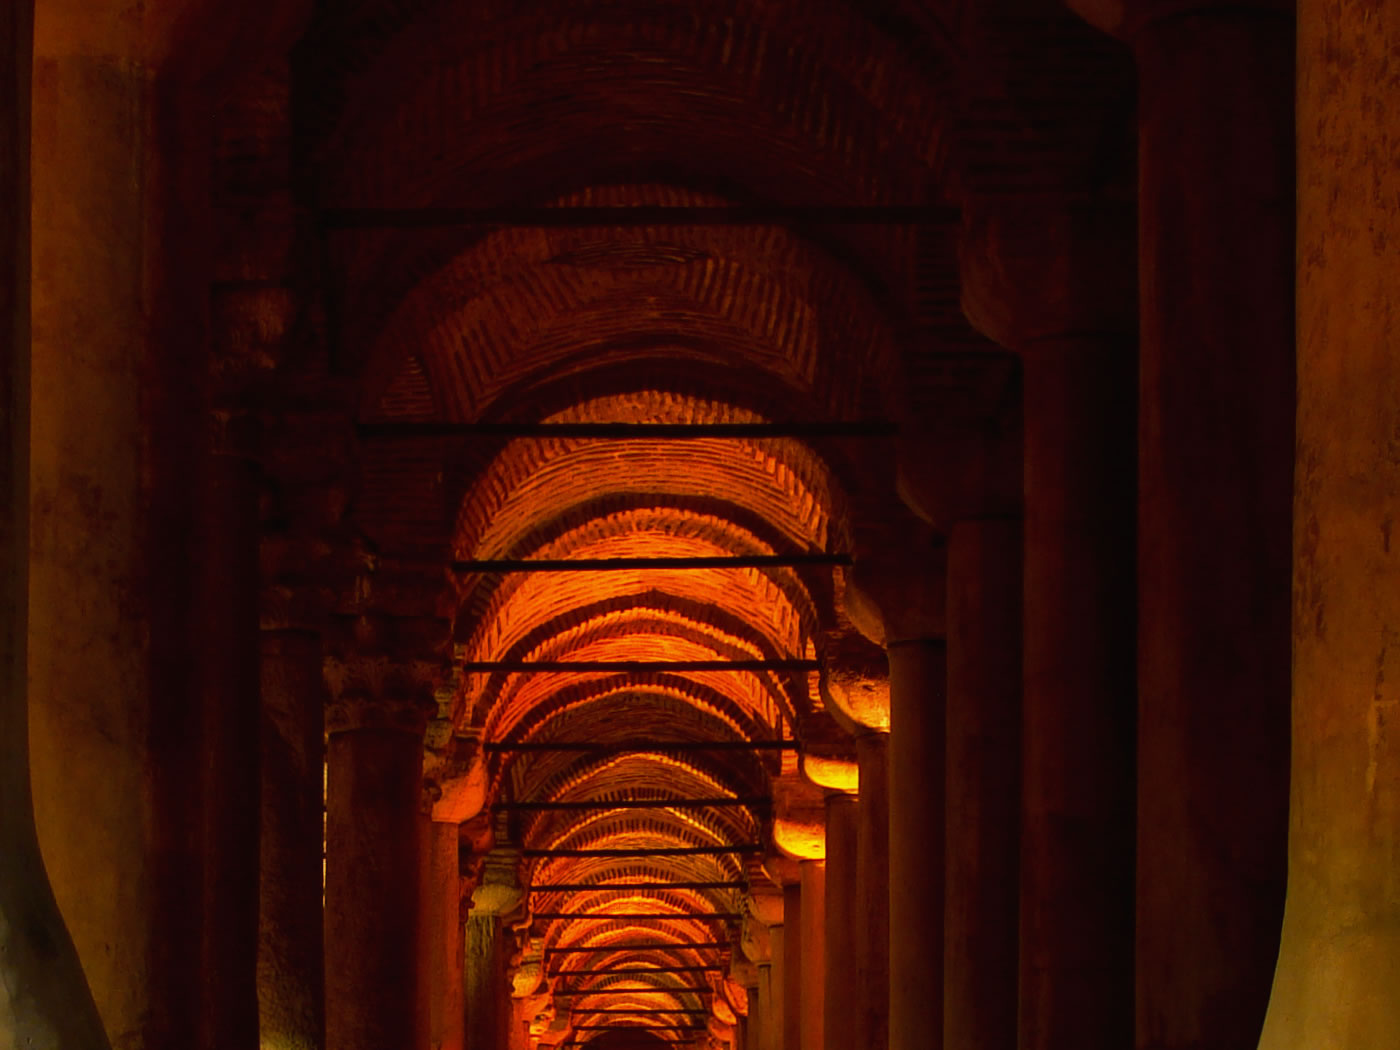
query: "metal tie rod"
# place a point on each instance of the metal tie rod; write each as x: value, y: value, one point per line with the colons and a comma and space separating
x: 735, y: 561
x: 637, y: 1028
x: 629, y: 916
x: 688, y: 1010
x: 642, y: 745
x: 638, y: 947
x: 638, y: 666
x: 635, y: 803
x: 611, y: 972
x: 618, y: 887
x: 629, y: 431
x: 646, y: 851
x: 650, y: 989
x: 544, y: 216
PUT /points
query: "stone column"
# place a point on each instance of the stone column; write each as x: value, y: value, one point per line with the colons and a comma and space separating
x: 872, y: 969
x: 918, y: 679
x: 770, y: 999
x: 813, y: 979
x: 374, y: 756
x: 984, y: 780
x: 965, y: 479
x: 444, y: 947
x: 1058, y: 286
x: 486, y: 986
x: 896, y: 598
x: 841, y: 931
x: 228, y: 656
x: 44, y: 999
x: 291, y: 975
x: 1339, y: 964
x: 1216, y: 203
x: 792, y: 967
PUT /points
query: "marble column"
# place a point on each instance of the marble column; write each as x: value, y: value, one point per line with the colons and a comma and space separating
x: 228, y: 639
x: 984, y: 777
x: 918, y: 682
x: 769, y: 1017
x: 375, y: 723
x: 290, y: 968
x: 117, y: 443
x: 44, y: 998
x: 442, y: 951
x: 1057, y: 284
x: 813, y: 978
x: 1215, y: 461
x: 487, y: 989
x: 841, y: 930
x: 896, y: 597
x: 792, y: 966
x: 1339, y: 964
x: 872, y: 958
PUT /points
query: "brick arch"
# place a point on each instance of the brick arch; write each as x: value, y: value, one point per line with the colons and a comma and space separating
x: 518, y: 306
x: 838, y: 85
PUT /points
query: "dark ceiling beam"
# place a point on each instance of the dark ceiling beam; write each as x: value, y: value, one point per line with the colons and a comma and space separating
x: 661, y: 946
x: 536, y: 217
x: 733, y: 561
x: 628, y: 431
x: 727, y: 916
x: 587, y: 746
x: 645, y: 851
x: 638, y: 666
x: 634, y: 803
x: 626, y: 887
x: 624, y: 971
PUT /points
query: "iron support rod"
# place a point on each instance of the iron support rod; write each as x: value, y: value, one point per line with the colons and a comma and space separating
x: 629, y: 431
x: 610, y: 972
x: 638, y: 666
x: 688, y: 1010
x: 658, y: 851
x: 636, y: 803
x: 538, y: 216
x: 586, y: 887
x: 595, y: 916
x: 640, y: 745
x: 735, y: 561
x: 634, y: 947
x: 647, y: 990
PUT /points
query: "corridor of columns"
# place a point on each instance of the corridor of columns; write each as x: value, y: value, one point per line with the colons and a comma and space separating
x: 744, y: 525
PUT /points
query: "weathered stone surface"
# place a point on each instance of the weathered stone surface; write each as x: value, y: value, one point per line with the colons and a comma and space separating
x: 1340, y: 957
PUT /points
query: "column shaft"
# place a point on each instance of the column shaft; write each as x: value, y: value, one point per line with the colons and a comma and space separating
x: 291, y: 975
x: 119, y: 334
x: 773, y: 1023
x: 1339, y: 964
x: 792, y: 967
x: 45, y: 999
x: 372, y: 888
x: 1076, y: 918
x: 485, y: 983
x: 984, y: 779
x: 840, y: 1004
x: 443, y: 948
x: 813, y: 911
x: 1215, y: 469
x: 872, y: 991
x: 918, y: 672
x: 231, y: 777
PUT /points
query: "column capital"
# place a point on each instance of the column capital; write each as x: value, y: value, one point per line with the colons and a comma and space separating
x: 1125, y: 19
x: 966, y: 471
x: 1044, y: 271
x: 896, y: 589
x: 378, y: 692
